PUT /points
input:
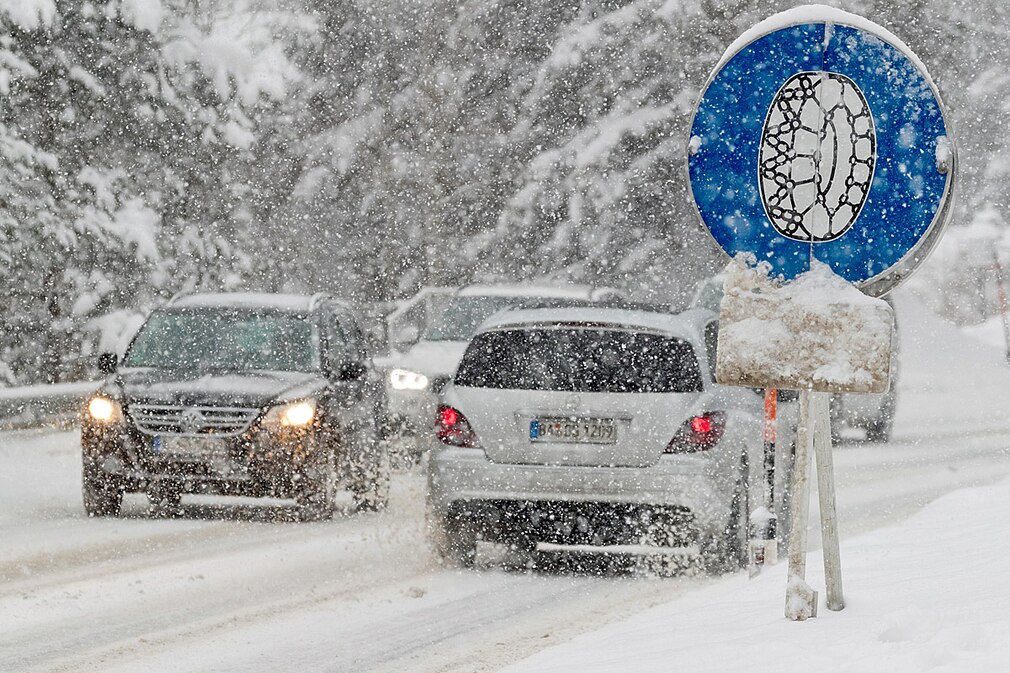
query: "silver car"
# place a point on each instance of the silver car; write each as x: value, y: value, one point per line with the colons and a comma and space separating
x: 596, y: 430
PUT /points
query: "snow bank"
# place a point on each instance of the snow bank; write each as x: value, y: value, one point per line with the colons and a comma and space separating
x: 923, y: 596
x: 816, y: 332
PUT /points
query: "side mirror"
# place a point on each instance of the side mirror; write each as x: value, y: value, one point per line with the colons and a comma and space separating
x: 352, y: 371
x: 107, y: 363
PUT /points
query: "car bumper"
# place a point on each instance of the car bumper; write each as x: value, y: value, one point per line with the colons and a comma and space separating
x: 676, y: 482
x: 257, y: 464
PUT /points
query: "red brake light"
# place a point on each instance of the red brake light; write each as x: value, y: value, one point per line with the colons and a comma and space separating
x: 452, y: 428
x: 448, y: 416
x: 701, y: 424
x: 699, y: 433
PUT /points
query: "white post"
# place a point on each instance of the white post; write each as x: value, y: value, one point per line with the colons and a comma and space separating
x: 801, y: 600
x: 821, y: 411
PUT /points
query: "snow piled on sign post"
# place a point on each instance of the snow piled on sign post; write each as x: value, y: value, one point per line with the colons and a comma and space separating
x: 817, y: 332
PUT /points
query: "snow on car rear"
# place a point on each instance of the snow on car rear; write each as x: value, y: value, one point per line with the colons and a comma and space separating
x: 591, y: 427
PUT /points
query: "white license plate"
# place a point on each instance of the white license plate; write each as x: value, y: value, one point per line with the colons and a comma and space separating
x: 574, y: 430
x: 186, y: 447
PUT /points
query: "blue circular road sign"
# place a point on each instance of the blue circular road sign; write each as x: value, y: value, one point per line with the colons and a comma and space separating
x: 823, y: 140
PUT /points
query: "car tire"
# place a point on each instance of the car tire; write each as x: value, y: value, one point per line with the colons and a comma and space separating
x: 370, y: 473
x: 319, y: 488
x: 727, y: 551
x: 165, y: 499
x: 101, y: 493
x: 453, y: 540
x: 879, y: 429
x: 371, y: 492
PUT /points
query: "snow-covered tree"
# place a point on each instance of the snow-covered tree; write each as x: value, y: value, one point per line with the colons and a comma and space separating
x: 122, y: 124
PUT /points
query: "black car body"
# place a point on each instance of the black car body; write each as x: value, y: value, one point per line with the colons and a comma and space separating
x: 238, y: 394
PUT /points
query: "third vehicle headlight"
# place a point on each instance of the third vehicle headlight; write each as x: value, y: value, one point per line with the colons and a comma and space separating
x: 405, y: 379
x: 293, y: 414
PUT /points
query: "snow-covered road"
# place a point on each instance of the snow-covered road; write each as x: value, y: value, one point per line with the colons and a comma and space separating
x: 246, y: 588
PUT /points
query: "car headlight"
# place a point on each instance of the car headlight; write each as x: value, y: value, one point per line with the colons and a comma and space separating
x: 404, y: 379
x: 104, y: 410
x: 293, y: 414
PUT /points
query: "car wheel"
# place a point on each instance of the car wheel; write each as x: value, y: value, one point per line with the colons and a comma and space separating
x: 879, y: 429
x: 453, y: 540
x: 165, y: 499
x: 727, y: 551
x: 102, y: 494
x: 370, y: 472
x: 319, y: 488
x: 371, y: 490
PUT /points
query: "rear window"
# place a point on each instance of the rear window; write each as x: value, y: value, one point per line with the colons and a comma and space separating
x: 580, y: 360
x: 464, y: 315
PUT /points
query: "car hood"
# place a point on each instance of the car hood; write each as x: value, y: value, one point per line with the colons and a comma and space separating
x: 193, y: 388
x: 434, y: 359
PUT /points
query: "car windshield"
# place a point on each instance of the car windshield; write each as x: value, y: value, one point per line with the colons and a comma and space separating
x: 464, y: 314
x: 226, y: 340
x: 580, y: 360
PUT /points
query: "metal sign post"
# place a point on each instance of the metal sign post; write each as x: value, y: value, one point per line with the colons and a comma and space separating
x: 1002, y: 300
x: 801, y: 600
x: 819, y: 138
x: 821, y: 415
x: 764, y: 539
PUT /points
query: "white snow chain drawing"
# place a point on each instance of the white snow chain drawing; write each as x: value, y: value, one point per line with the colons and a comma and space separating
x: 818, y: 151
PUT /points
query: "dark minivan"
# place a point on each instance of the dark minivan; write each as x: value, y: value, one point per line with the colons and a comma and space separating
x: 238, y: 394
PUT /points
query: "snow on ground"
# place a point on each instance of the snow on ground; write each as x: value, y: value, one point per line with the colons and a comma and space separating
x: 925, y: 595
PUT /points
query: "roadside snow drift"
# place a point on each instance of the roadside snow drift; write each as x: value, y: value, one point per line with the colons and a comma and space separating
x: 929, y: 595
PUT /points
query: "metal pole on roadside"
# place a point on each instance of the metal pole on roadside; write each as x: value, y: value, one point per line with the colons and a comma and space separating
x: 764, y: 521
x: 1002, y: 300
x: 801, y: 600
x: 770, y: 438
x: 821, y: 411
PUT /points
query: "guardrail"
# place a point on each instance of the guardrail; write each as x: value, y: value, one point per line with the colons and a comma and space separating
x: 34, y: 406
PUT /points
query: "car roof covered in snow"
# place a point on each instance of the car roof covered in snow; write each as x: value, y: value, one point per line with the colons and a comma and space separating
x: 535, y: 290
x: 689, y: 324
x: 247, y: 300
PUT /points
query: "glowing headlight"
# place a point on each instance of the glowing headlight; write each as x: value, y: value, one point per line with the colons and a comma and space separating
x: 404, y: 379
x: 105, y: 410
x: 293, y: 414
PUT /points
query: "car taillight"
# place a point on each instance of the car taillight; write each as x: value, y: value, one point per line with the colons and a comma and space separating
x: 698, y: 433
x: 452, y: 428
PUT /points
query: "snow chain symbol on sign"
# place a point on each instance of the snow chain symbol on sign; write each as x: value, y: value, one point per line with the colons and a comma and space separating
x: 817, y: 156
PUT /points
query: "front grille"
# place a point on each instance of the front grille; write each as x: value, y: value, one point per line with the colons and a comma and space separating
x: 157, y: 419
